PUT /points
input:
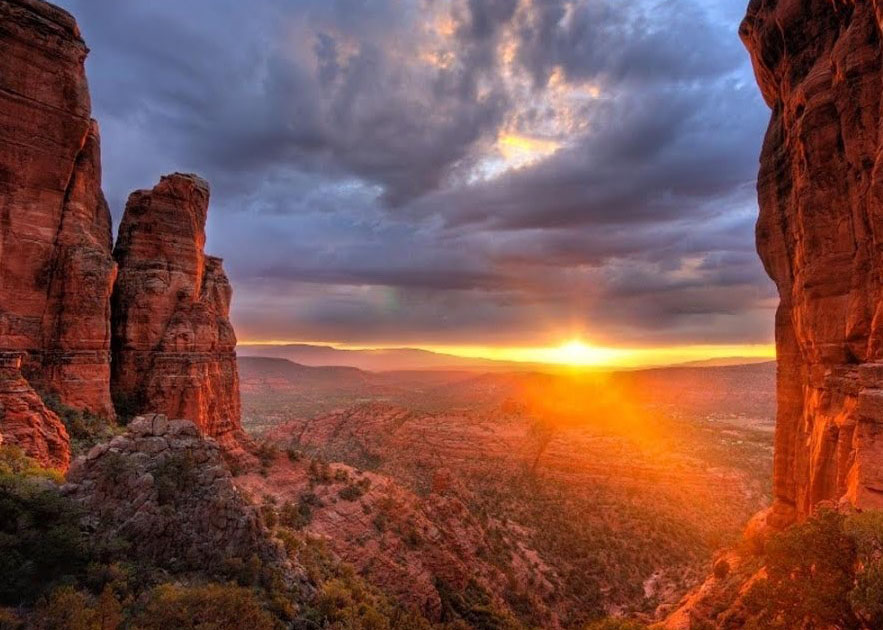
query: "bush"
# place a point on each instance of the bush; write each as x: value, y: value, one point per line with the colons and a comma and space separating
x: 474, y: 606
x: 300, y: 515
x: 40, y: 539
x: 69, y: 609
x: 9, y: 620
x: 173, y: 476
x: 826, y: 572
x: 14, y: 462
x: 209, y: 607
x: 319, y: 472
x: 266, y: 454
x: 354, y: 491
x: 85, y: 429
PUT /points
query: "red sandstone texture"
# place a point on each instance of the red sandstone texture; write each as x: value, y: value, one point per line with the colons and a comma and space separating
x: 56, y: 269
x: 173, y: 345
x: 25, y: 421
x: 820, y: 231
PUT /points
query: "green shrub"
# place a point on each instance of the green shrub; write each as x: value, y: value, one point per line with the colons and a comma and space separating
x: 824, y: 573
x: 319, y: 472
x: 267, y: 454
x: 10, y: 620
x: 84, y: 428
x: 40, y: 539
x: 14, y: 462
x: 173, y: 476
x: 474, y: 606
x: 298, y: 516
x: 353, y: 491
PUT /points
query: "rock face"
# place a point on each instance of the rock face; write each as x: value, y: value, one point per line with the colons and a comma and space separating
x: 56, y: 269
x: 173, y: 345
x: 167, y: 491
x: 819, y: 65
x: 25, y: 421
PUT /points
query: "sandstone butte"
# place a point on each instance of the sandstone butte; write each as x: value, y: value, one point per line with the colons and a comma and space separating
x: 56, y: 270
x: 173, y: 344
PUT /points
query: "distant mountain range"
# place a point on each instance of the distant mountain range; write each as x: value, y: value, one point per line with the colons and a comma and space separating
x: 725, y: 362
x: 379, y: 360
x: 399, y: 359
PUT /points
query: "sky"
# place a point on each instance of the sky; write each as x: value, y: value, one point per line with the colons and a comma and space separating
x: 496, y: 174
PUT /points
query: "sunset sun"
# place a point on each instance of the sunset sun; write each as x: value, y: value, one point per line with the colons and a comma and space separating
x: 579, y: 353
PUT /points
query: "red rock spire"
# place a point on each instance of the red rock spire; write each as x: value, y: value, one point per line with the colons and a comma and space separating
x: 173, y: 345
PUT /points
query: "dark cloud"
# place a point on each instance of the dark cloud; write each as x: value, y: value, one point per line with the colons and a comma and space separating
x: 362, y: 191
x: 618, y: 41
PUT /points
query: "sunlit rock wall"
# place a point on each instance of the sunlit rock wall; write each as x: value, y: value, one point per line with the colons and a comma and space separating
x: 820, y: 235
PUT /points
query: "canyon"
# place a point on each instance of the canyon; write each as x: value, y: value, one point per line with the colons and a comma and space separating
x: 453, y: 494
x: 67, y: 299
x: 562, y: 497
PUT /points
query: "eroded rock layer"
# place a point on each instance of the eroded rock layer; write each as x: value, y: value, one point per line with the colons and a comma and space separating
x: 820, y: 235
x: 25, y: 421
x: 173, y: 345
x: 56, y: 269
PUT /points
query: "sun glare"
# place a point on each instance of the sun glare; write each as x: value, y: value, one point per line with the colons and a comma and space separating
x: 576, y: 352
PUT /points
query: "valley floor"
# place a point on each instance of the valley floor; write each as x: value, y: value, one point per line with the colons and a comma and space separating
x: 558, y: 498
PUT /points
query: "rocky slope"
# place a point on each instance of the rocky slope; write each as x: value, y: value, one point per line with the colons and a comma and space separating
x: 819, y: 67
x: 26, y: 422
x: 56, y: 269
x: 167, y: 493
x: 419, y: 550
x: 173, y: 345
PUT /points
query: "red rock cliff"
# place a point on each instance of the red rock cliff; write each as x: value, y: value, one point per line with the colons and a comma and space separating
x: 56, y: 270
x: 820, y: 235
x: 173, y: 345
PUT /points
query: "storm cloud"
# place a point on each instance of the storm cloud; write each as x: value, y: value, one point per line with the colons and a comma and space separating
x: 463, y: 172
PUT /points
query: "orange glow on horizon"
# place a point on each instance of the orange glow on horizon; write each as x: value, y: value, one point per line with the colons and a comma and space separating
x: 574, y: 353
